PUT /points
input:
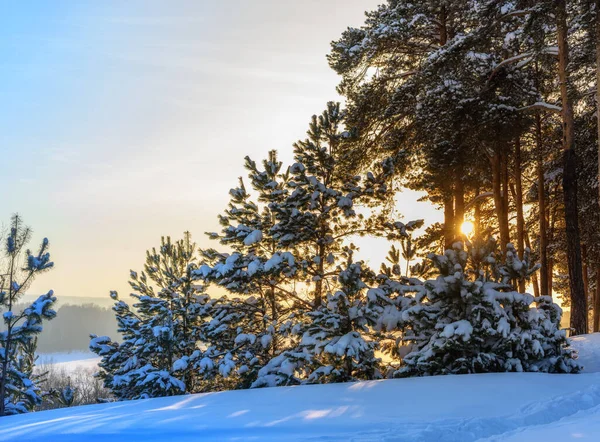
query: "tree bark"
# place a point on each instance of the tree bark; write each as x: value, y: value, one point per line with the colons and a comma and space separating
x: 534, y: 277
x: 597, y: 302
x: 586, y: 279
x: 596, y: 325
x: 519, y: 204
x: 459, y: 202
x: 499, y: 200
x: 541, y: 182
x: 448, y: 219
x: 578, y: 300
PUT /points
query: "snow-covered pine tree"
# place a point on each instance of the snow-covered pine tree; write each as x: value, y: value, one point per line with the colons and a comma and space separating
x: 320, y: 215
x: 248, y: 329
x: 471, y: 320
x: 161, y: 332
x: 19, y: 390
x: 316, y: 222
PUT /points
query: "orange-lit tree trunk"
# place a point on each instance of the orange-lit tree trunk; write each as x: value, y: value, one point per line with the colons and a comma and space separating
x: 500, y: 198
x: 459, y: 202
x: 519, y: 204
x: 448, y: 218
x: 541, y: 182
x: 578, y: 300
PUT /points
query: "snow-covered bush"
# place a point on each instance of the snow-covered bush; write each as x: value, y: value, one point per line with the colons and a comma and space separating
x: 470, y: 319
x: 19, y: 387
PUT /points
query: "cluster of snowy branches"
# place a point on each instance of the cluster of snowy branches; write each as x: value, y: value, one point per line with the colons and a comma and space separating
x: 300, y: 308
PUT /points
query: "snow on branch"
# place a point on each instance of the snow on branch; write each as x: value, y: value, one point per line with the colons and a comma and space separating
x: 479, y: 197
x: 518, y: 13
x: 540, y: 105
x: 523, y: 58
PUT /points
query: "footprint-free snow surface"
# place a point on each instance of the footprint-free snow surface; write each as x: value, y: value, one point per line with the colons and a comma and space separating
x: 492, y: 407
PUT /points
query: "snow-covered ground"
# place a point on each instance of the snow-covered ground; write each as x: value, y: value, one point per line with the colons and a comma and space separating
x: 492, y: 407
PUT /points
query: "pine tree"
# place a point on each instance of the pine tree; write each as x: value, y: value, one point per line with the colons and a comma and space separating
x: 316, y: 223
x: 249, y: 328
x: 19, y: 389
x: 470, y: 319
x: 320, y: 212
x: 162, y: 332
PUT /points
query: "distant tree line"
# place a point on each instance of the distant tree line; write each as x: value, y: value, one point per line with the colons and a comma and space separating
x: 70, y: 330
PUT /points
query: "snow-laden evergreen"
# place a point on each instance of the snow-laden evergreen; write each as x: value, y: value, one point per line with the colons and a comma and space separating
x: 470, y: 319
x: 248, y: 328
x: 20, y: 391
x: 160, y: 331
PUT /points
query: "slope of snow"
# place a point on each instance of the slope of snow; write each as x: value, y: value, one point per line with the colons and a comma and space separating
x: 588, y: 347
x: 444, y: 408
x: 488, y: 407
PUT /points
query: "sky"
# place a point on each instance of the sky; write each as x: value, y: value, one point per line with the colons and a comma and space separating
x: 124, y: 121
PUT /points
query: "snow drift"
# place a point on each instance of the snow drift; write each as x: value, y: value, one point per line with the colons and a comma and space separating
x: 492, y: 407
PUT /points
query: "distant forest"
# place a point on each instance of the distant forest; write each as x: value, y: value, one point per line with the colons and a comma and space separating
x: 70, y: 330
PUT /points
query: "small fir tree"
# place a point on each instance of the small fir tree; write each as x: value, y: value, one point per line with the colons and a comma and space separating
x: 19, y: 389
x: 162, y: 332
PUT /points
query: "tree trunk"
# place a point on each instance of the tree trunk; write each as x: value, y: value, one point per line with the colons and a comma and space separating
x: 459, y: 202
x: 499, y: 200
x: 584, y: 269
x: 597, y: 302
x: 319, y: 283
x: 578, y: 301
x: 519, y: 204
x: 542, y: 208
x: 596, y: 325
x: 448, y: 219
x: 443, y: 26
x: 477, y: 215
x: 534, y: 277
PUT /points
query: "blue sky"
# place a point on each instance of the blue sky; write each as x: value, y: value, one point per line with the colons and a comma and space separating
x: 122, y: 121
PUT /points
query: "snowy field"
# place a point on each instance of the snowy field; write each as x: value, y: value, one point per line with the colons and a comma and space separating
x: 70, y: 361
x: 490, y: 407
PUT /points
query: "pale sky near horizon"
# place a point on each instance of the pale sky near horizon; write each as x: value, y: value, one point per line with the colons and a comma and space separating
x: 124, y: 121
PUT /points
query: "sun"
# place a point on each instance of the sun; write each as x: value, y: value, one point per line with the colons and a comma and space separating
x: 467, y: 228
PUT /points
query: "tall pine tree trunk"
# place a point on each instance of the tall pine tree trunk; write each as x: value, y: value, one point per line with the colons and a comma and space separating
x: 597, y: 302
x: 519, y: 204
x: 477, y: 215
x: 448, y: 218
x: 541, y: 182
x: 596, y: 325
x: 499, y: 200
x: 586, y: 279
x: 459, y: 202
x: 551, y: 216
x: 578, y: 301
x: 534, y: 277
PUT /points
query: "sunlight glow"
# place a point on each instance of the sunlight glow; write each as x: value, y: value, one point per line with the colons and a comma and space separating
x: 467, y: 228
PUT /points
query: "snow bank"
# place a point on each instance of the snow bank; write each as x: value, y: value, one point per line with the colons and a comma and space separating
x: 588, y: 347
x: 443, y: 408
x: 488, y: 407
